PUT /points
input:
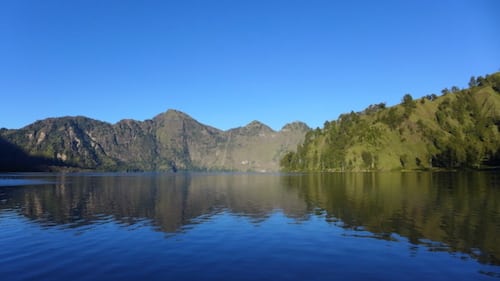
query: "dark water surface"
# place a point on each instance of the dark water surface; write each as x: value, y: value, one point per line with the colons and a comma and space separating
x: 224, y: 226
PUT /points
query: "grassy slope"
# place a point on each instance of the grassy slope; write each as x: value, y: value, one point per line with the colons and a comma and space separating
x: 417, y: 140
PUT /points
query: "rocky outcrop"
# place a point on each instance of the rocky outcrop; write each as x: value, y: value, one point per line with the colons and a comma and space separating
x: 170, y: 141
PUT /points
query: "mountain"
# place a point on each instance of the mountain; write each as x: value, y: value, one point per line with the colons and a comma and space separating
x: 170, y: 141
x: 459, y: 129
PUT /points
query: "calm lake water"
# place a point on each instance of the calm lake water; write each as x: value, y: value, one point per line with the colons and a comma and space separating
x: 236, y: 226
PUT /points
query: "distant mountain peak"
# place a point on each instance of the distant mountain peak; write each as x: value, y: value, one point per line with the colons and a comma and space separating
x: 176, y: 112
x: 172, y: 114
x: 296, y: 126
x: 258, y: 124
x: 254, y: 128
x: 170, y: 141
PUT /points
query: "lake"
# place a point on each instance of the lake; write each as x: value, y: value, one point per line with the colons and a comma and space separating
x: 250, y: 226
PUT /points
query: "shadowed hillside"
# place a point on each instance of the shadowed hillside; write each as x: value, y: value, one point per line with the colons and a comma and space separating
x: 14, y: 159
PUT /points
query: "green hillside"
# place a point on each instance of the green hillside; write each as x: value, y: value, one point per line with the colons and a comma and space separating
x: 459, y: 129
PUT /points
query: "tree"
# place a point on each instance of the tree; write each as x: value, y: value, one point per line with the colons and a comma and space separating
x: 367, y: 158
x: 472, y: 82
x: 407, y: 99
x: 408, y: 105
x: 372, y: 139
x: 431, y: 97
x: 404, y: 159
x: 372, y: 108
x: 287, y: 162
x: 480, y: 81
x: 392, y: 118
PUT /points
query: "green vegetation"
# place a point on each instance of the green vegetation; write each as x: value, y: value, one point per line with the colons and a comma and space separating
x: 459, y: 129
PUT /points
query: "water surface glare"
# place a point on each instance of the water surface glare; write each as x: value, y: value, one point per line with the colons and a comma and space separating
x: 239, y: 226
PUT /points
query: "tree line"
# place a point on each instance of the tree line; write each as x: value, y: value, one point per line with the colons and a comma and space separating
x: 458, y: 129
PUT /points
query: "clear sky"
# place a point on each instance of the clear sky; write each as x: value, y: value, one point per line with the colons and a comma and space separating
x: 227, y: 63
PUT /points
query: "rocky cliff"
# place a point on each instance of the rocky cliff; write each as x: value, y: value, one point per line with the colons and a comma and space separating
x: 170, y: 141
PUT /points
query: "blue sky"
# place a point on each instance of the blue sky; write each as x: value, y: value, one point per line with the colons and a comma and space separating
x: 227, y: 63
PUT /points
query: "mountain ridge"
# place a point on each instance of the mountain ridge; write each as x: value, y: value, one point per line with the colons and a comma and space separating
x: 459, y: 129
x: 171, y: 140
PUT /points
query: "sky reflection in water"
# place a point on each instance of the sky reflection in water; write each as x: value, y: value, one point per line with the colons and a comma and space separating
x: 440, y: 226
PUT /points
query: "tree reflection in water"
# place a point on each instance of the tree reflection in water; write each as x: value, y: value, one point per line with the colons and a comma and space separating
x: 444, y: 211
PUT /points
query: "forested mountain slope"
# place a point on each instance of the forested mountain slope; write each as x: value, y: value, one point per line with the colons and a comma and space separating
x: 459, y: 129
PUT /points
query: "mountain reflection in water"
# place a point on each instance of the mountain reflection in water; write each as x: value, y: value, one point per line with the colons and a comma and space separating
x: 455, y: 212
